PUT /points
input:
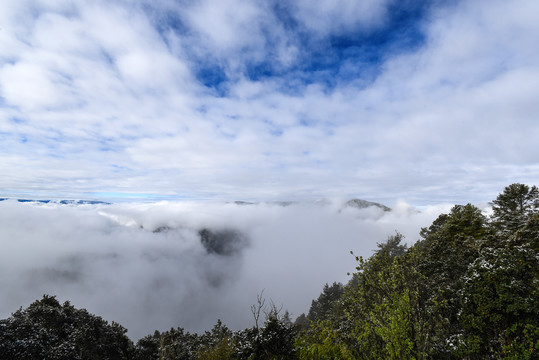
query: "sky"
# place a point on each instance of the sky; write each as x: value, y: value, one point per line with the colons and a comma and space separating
x: 170, y: 111
x: 423, y: 101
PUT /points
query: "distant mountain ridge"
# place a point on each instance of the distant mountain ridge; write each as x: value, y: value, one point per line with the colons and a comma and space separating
x: 353, y: 203
x: 361, y: 204
x: 61, y: 202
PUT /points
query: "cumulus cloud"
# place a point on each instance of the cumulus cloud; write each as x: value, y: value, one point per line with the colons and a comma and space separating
x: 160, y: 265
x: 336, y: 17
x: 266, y: 100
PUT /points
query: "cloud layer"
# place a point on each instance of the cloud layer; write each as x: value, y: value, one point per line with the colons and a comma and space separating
x: 144, y: 265
x: 268, y: 100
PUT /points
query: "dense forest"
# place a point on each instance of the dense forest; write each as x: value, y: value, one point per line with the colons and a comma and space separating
x: 468, y: 289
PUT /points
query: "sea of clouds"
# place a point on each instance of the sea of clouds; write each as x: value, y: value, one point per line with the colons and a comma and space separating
x: 144, y: 265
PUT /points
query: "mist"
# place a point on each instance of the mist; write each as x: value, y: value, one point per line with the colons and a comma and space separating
x: 159, y: 265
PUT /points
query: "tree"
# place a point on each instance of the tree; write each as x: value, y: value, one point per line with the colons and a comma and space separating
x: 223, y: 350
x: 273, y: 340
x: 514, y: 207
x: 386, y: 305
x: 258, y: 308
x: 323, y: 342
x: 50, y: 330
x: 500, y: 298
x: 147, y: 348
x: 302, y: 322
x: 216, y: 344
x: 392, y: 247
x: 448, y: 248
x: 176, y: 344
x: 276, y: 339
x: 367, y: 327
x: 323, y: 307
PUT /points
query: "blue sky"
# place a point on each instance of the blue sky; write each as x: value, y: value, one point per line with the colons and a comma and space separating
x: 426, y: 101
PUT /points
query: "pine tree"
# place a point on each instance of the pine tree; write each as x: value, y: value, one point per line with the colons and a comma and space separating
x: 514, y: 207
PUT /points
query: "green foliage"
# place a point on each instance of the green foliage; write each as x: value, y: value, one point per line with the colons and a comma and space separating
x: 368, y: 301
x: 392, y: 247
x: 273, y: 340
x: 383, y: 304
x: 444, y: 255
x: 302, y: 322
x: 500, y: 297
x: 323, y: 307
x: 217, y: 343
x: 176, y: 344
x: 468, y: 289
x: 322, y: 342
x: 514, y: 207
x: 50, y: 330
x: 147, y: 348
x: 223, y: 350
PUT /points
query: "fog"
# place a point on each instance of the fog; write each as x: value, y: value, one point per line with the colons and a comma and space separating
x: 169, y: 264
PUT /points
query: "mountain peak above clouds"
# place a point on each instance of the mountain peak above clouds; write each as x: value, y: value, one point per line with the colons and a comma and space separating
x: 352, y: 203
x: 361, y: 204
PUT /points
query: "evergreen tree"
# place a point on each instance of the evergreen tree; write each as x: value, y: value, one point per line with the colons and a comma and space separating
x: 176, y: 344
x: 217, y: 343
x: 466, y: 290
x: 514, y: 207
x: 50, y: 330
x: 449, y: 246
x: 147, y: 348
x: 500, y: 298
x: 323, y: 307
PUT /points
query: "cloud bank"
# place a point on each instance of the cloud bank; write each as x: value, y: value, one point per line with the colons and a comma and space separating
x: 145, y: 266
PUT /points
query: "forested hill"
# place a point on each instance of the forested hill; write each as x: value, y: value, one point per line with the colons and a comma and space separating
x: 469, y: 289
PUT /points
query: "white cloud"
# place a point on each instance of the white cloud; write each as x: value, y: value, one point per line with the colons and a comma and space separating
x: 223, y: 22
x: 29, y: 86
x: 110, y: 101
x: 337, y: 17
x: 107, y: 259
